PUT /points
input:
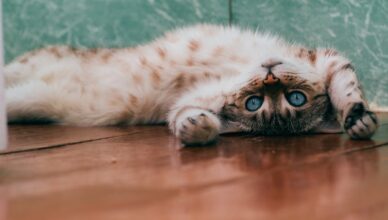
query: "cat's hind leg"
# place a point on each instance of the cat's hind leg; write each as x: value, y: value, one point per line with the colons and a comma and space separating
x: 32, y: 101
x: 36, y: 101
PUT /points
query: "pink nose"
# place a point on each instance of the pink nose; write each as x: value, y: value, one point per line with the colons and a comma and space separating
x: 270, y: 79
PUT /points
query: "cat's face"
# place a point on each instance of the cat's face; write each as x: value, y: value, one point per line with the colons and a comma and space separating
x: 281, y: 97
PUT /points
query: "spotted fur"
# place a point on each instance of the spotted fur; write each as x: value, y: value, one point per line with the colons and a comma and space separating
x: 197, y: 79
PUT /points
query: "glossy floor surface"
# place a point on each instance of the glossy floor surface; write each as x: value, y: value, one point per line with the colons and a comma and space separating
x: 55, y: 172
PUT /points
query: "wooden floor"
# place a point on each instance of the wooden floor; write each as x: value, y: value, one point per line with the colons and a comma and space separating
x: 54, y: 172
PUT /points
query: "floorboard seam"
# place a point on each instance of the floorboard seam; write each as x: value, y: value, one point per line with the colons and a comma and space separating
x: 364, y: 148
x: 64, y: 144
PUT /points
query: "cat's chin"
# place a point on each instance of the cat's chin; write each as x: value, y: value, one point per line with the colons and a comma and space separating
x: 231, y: 127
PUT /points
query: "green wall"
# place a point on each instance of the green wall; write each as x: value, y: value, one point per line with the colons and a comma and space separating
x: 358, y: 28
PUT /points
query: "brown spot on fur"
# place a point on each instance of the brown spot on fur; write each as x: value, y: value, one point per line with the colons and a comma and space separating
x: 312, y: 56
x: 347, y: 66
x: 137, y: 79
x: 72, y: 49
x: 161, y: 52
x: 133, y: 100
x: 190, y: 61
x: 289, y: 77
x: 49, y: 78
x: 93, y: 50
x: 143, y: 61
x: 193, y: 79
x: 24, y: 60
x: 55, y: 52
x: 204, y: 63
x: 302, y: 53
x: 351, y: 84
x: 81, y: 52
x: 349, y: 94
x: 194, y: 45
x: 155, y: 76
x: 106, y: 56
x: 179, y: 81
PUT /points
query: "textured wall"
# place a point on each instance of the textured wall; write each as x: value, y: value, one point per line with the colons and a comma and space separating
x: 30, y: 24
x: 358, y: 28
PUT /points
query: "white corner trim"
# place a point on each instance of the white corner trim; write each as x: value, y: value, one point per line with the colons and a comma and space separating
x: 3, y: 121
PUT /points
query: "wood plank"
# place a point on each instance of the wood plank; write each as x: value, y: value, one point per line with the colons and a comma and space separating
x: 29, y: 137
x: 147, y: 175
x: 351, y: 186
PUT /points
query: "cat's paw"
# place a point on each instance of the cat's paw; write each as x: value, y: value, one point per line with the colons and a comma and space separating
x: 359, y: 122
x: 197, y: 127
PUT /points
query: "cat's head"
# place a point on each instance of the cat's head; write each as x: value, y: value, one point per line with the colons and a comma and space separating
x: 281, y: 97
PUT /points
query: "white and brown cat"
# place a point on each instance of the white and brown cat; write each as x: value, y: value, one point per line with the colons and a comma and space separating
x: 202, y: 80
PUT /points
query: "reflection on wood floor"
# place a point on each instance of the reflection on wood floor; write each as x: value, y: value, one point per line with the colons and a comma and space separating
x: 56, y: 172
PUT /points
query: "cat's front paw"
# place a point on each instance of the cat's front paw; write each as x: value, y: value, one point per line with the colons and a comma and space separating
x: 359, y: 122
x: 197, y: 127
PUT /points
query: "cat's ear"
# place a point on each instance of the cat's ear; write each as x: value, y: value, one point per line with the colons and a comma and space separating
x: 328, y: 127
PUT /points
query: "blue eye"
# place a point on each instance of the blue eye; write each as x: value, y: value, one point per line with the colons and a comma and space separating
x: 296, y: 99
x: 253, y: 103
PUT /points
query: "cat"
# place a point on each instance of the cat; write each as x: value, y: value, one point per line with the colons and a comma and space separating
x: 202, y: 80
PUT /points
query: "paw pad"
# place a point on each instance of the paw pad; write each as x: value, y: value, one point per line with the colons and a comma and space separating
x: 198, y: 128
x: 360, y: 123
